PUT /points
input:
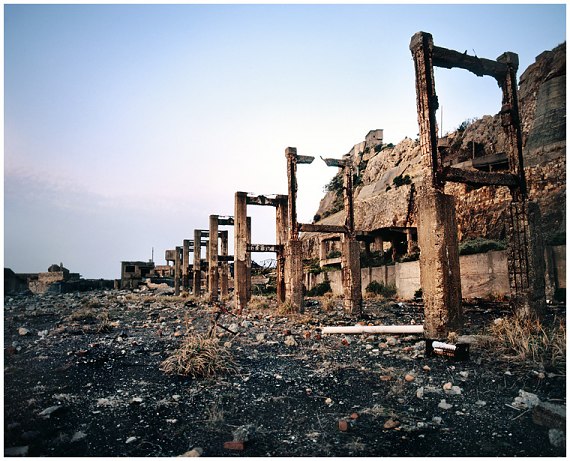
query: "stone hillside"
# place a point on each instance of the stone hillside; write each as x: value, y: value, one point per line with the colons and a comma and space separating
x: 385, y: 197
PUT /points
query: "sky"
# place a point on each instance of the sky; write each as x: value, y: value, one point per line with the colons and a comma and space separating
x: 126, y: 126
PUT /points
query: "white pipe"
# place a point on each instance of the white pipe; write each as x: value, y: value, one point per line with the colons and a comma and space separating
x: 356, y: 329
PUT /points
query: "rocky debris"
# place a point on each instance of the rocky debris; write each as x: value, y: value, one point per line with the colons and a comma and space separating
x: 131, y: 440
x: 23, y: 331
x: 525, y: 400
x: 50, y: 411
x: 557, y: 438
x: 110, y: 383
x: 444, y: 405
x: 549, y: 415
x: 290, y: 341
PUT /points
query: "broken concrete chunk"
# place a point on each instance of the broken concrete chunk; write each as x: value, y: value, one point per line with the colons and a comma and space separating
x: 194, y: 453
x: 549, y: 415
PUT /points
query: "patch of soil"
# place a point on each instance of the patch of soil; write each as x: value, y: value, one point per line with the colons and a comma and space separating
x: 84, y: 380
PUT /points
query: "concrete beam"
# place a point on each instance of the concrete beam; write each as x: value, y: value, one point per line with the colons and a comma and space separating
x: 479, y: 178
x: 323, y: 228
x: 264, y: 248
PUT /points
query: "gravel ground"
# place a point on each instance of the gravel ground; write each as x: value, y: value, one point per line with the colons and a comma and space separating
x: 82, y: 378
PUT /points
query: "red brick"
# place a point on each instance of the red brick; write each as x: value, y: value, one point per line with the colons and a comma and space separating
x: 343, y: 425
x: 354, y: 416
x: 234, y: 445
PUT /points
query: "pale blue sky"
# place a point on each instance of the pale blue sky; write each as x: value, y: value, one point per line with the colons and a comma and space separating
x: 126, y: 126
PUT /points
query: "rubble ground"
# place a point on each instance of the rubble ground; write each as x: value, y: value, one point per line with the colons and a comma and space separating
x: 82, y: 378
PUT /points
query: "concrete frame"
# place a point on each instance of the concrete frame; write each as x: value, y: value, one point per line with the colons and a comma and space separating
x: 350, y: 248
x: 243, y: 247
x: 197, y: 267
x: 437, y: 230
x: 218, y: 261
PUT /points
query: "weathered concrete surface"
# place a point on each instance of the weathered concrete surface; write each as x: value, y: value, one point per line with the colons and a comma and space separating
x: 350, y: 263
x: 240, y: 251
x: 439, y: 263
x: 526, y: 259
x: 294, y: 274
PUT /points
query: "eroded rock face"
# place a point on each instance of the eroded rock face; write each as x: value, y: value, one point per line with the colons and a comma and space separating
x: 481, y: 212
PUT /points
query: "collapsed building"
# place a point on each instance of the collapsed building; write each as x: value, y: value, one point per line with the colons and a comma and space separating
x: 57, y: 279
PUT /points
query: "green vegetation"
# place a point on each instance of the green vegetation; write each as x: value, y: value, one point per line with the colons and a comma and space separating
x: 377, y: 288
x: 334, y: 254
x: 480, y: 245
x: 401, y: 180
x: 320, y: 289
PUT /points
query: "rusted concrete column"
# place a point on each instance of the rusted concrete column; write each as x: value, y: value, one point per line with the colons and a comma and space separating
x: 240, y: 251
x: 213, y: 259
x: 525, y: 258
x: 294, y: 274
x: 177, y: 271
x: 293, y: 248
x: 248, y: 260
x: 351, y: 281
x: 281, y: 239
x: 185, y: 265
x: 437, y: 228
x: 350, y: 261
x: 224, y: 270
x: 526, y: 248
x: 439, y: 264
x: 197, y: 274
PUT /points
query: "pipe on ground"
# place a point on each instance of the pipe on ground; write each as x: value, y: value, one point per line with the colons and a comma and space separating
x: 358, y: 329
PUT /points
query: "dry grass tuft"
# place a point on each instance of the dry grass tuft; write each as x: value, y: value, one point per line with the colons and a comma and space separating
x: 84, y: 313
x: 287, y: 308
x: 199, y: 357
x: 527, y: 339
x: 258, y: 303
x: 329, y: 302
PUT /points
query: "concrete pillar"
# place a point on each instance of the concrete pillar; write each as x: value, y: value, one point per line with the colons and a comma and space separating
x: 248, y: 260
x: 177, y: 271
x: 293, y: 248
x: 525, y: 257
x: 224, y: 270
x: 185, y: 265
x: 323, y: 249
x: 197, y: 274
x: 294, y: 274
x: 439, y: 264
x: 240, y: 251
x: 409, y: 240
x: 437, y: 228
x: 213, y: 259
x: 281, y: 239
x: 351, y: 277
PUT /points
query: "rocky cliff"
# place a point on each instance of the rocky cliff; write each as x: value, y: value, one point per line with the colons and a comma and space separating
x: 387, y: 175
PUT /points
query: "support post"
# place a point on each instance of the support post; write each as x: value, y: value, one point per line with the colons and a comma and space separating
x: 281, y: 239
x: 177, y: 252
x: 248, y: 260
x: 293, y: 247
x: 240, y: 251
x: 185, y: 265
x: 197, y: 274
x: 437, y: 228
x: 350, y: 261
x: 224, y: 265
x: 213, y: 259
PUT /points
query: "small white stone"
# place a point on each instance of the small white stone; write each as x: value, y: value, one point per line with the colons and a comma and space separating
x: 130, y: 440
x: 444, y: 405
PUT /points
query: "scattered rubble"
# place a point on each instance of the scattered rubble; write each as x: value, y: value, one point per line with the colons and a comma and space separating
x: 80, y: 390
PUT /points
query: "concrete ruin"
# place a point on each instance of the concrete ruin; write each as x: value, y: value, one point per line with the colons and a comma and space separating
x: 199, y: 242
x: 437, y: 229
x: 218, y: 258
x: 350, y: 248
x: 243, y: 246
x: 132, y: 273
